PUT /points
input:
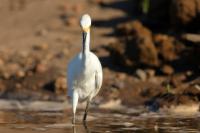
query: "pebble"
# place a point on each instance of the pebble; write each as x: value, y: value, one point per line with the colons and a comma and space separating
x: 156, y: 128
x: 6, y: 75
x: 197, y: 87
x: 12, y: 68
x: 60, y: 85
x: 150, y: 73
x: 119, y: 84
x: 42, y: 32
x: 121, y: 76
x: 24, y: 54
x: 166, y: 69
x: 1, y: 62
x: 72, y: 21
x: 189, y: 73
x: 49, y: 56
x: 2, y: 86
x: 141, y: 74
x: 77, y: 8
x: 65, y: 51
x: 64, y: 7
x: 40, y: 68
x: 178, y: 79
x: 55, y: 24
x: 18, y: 86
x: 43, y: 46
x: 20, y: 74
x: 29, y: 73
x: 9, y: 70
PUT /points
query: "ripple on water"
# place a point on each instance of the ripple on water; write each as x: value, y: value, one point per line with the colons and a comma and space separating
x: 98, y: 122
x: 60, y: 125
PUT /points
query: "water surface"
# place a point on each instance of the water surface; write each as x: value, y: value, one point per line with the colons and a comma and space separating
x: 99, y: 121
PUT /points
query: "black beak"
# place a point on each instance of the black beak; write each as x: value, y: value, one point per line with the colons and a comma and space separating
x: 84, y: 40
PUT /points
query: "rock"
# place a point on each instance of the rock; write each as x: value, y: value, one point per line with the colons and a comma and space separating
x: 156, y: 128
x: 49, y: 56
x: 121, y: 76
x: 166, y: 69
x: 60, y: 85
x: 166, y: 47
x: 2, y: 86
x: 77, y: 8
x: 42, y: 32
x: 29, y: 62
x: 40, y: 68
x: 197, y: 87
x: 194, y: 38
x: 13, y: 67
x: 20, y: 74
x: 141, y: 74
x: 150, y: 73
x: 18, y: 86
x: 142, y: 45
x: 1, y: 62
x: 178, y: 79
x: 112, y: 104
x: 29, y: 73
x: 118, y: 84
x: 139, y: 46
x: 182, y: 12
x: 65, y: 51
x: 43, y: 46
x: 65, y: 7
x: 184, y: 109
x: 6, y: 75
x: 24, y: 54
x: 72, y: 21
x: 189, y: 73
x: 55, y: 24
x: 10, y: 70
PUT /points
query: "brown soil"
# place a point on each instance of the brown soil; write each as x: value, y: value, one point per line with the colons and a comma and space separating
x: 141, y: 67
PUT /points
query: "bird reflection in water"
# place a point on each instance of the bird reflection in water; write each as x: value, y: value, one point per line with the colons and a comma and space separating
x: 85, y: 128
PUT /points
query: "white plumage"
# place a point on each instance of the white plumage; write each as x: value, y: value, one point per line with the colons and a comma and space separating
x: 84, y: 72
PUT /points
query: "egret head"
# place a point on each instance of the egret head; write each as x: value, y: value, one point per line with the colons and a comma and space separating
x: 85, y: 23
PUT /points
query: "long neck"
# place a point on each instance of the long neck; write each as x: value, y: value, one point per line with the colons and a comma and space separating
x: 86, y: 44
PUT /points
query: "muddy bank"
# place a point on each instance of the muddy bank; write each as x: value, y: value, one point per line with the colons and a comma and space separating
x: 138, y: 46
x: 160, y: 55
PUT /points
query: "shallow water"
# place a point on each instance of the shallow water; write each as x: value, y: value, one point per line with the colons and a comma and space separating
x: 99, y: 121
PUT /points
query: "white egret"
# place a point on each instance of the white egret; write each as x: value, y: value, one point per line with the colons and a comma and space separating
x: 84, y: 73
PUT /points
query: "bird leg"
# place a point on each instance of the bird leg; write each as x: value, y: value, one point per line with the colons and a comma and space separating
x: 73, y: 120
x: 86, y: 127
x: 74, y: 104
x: 74, y: 129
x: 86, y: 110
